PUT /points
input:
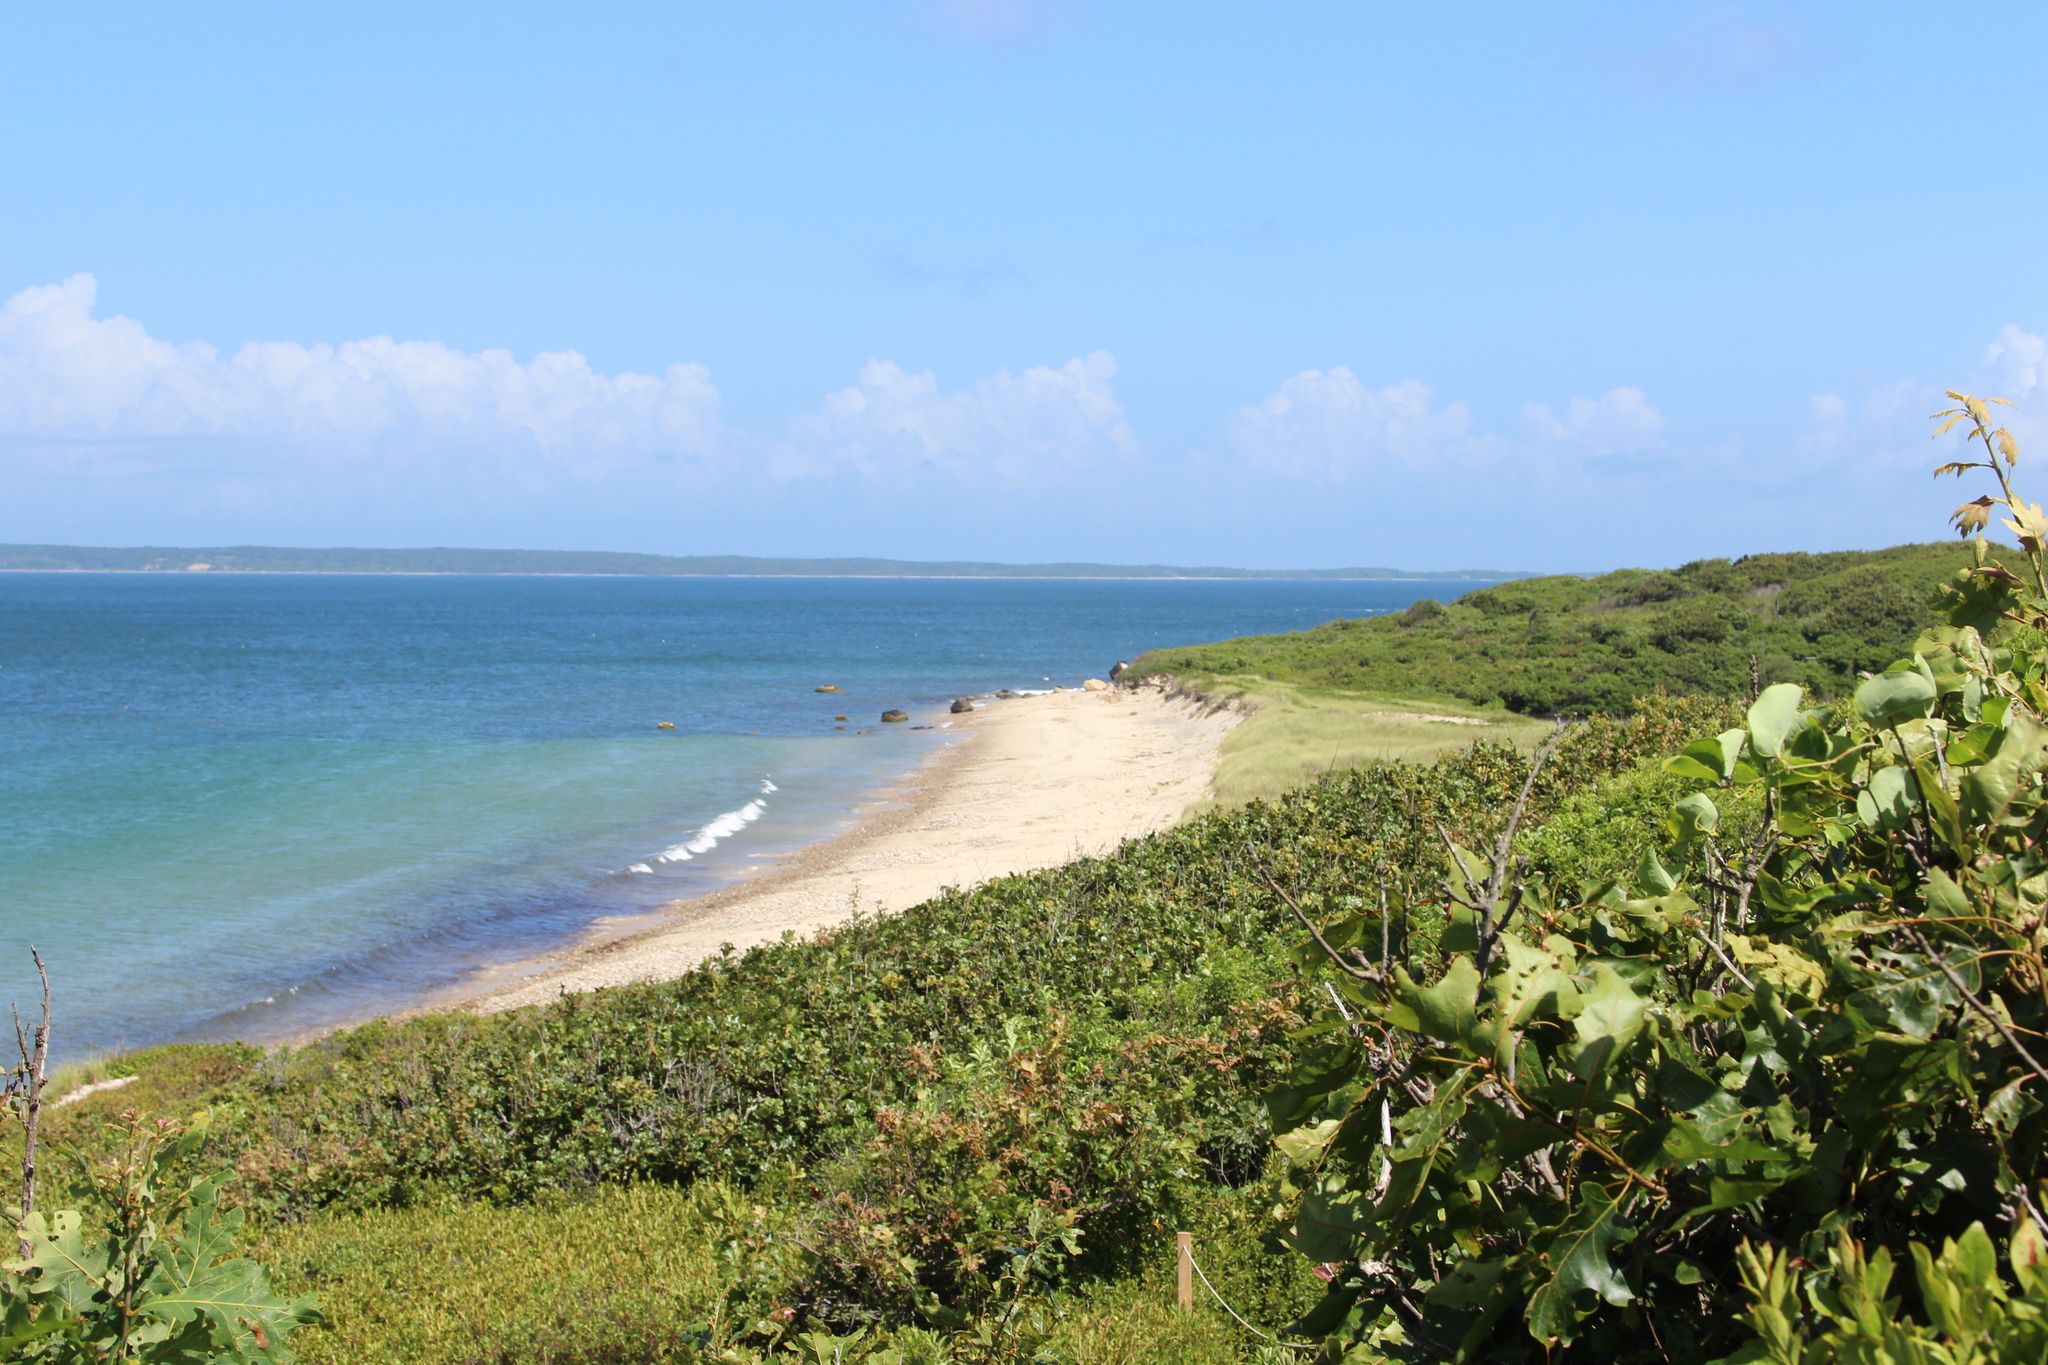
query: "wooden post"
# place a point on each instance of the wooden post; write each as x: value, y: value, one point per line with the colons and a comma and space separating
x: 1184, y: 1245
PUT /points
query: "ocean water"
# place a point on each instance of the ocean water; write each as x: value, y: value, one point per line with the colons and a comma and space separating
x: 246, y: 806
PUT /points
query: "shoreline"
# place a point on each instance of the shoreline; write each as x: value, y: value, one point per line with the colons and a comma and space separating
x: 1019, y: 785
x: 1490, y: 579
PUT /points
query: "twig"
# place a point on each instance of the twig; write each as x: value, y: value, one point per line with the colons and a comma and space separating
x: 1729, y: 963
x: 1350, y: 968
x: 2033, y: 1209
x: 35, y: 1061
x: 2004, y: 1031
x: 1492, y: 922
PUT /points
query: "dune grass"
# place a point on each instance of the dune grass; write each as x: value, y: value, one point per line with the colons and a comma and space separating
x: 628, y: 1273
x: 652, y: 1273
x: 1297, y: 733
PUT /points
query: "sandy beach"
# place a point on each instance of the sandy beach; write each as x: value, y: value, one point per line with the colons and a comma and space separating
x: 1026, y: 783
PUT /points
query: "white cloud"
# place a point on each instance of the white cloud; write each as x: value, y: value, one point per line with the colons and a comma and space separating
x: 1878, y: 420
x: 1326, y: 424
x: 1619, y: 422
x: 1030, y: 428
x: 67, y: 374
x: 73, y: 382
x: 2018, y: 363
x: 1885, y: 426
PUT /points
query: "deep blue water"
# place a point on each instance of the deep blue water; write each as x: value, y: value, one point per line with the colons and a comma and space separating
x: 248, y: 805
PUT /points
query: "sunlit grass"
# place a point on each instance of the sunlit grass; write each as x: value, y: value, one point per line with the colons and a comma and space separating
x: 1296, y: 734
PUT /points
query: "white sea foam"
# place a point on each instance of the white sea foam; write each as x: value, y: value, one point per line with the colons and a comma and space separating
x: 642, y: 868
x: 768, y: 786
x: 715, y: 833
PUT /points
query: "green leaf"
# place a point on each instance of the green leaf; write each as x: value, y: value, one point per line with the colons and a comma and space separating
x: 1686, y: 1141
x: 1887, y: 802
x: 1709, y: 760
x: 198, y: 1285
x: 1895, y: 697
x: 1687, y: 766
x: 59, y: 1262
x: 1304, y: 1146
x: 1697, y: 816
x: 1992, y: 789
x: 1772, y: 716
x: 1652, y: 877
x: 1944, y: 898
x: 1532, y: 982
x: 1778, y: 962
x: 1608, y: 1022
x: 1969, y: 748
x: 1578, y: 1261
x: 1448, y: 1010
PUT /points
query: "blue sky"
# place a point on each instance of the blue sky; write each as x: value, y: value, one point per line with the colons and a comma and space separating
x: 1548, y: 286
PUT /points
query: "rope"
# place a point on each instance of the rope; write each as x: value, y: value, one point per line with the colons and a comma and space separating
x: 1264, y: 1336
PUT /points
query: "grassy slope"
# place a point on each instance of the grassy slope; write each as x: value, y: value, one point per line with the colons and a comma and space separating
x: 1548, y: 645
x: 1296, y: 734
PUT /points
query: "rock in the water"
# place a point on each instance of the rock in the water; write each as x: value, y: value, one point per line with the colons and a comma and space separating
x: 1006, y: 695
x: 895, y: 717
x: 1095, y: 685
x: 839, y: 717
x: 962, y: 705
x: 827, y: 687
x: 664, y: 725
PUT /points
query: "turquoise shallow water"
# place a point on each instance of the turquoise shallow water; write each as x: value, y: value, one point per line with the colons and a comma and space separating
x: 251, y: 805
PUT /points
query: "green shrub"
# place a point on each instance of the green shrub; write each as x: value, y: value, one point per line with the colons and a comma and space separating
x: 1703, y: 1113
x: 1568, y: 645
x: 159, y: 1282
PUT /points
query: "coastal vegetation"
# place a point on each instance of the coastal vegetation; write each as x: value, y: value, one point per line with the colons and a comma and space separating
x: 1710, y: 1027
x: 979, y: 1121
x: 1569, y: 645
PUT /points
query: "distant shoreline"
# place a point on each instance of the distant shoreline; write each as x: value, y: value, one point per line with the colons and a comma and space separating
x: 445, y: 560
x: 864, y: 577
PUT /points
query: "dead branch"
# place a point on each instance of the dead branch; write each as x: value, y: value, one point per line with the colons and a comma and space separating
x: 2004, y: 1031
x: 1362, y: 973
x: 31, y: 1076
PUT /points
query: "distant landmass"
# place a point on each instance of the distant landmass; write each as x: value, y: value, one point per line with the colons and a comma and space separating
x: 276, y: 559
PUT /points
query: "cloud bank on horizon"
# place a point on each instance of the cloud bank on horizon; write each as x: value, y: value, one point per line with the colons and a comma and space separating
x: 1540, y: 287
x: 238, y: 440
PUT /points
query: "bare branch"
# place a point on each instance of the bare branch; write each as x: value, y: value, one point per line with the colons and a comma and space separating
x: 1729, y: 963
x: 2004, y: 1031
x: 1366, y: 973
x: 35, y: 1063
x: 2033, y: 1209
x: 1491, y: 921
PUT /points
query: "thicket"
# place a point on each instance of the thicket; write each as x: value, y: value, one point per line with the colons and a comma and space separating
x: 1568, y: 645
x: 157, y: 1279
x: 1774, y: 1093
